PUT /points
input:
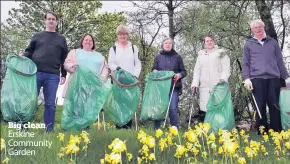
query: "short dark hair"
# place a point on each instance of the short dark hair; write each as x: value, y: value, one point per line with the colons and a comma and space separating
x: 52, y: 13
x: 82, y: 39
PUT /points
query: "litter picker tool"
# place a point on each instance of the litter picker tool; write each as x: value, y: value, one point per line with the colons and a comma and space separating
x: 174, y: 82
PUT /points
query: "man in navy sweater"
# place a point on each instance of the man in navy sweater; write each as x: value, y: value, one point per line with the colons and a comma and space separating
x: 262, y: 68
x: 48, y: 50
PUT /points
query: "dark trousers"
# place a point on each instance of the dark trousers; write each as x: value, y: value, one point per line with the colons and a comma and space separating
x: 127, y: 126
x: 49, y: 82
x: 267, y: 91
x: 173, y: 111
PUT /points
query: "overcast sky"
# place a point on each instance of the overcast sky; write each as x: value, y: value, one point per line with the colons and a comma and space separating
x: 108, y: 6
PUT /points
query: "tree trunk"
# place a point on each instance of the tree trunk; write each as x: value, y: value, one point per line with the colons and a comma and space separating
x: 170, y: 14
x: 266, y: 17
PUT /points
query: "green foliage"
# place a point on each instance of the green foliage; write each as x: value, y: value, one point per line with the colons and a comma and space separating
x: 75, y: 19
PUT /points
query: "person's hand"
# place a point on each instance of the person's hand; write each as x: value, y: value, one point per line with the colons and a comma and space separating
x: 177, y: 77
x: 21, y: 54
x: 118, y: 68
x: 62, y: 80
x: 193, y: 90
x: 287, y: 82
x: 248, y: 84
x: 222, y: 81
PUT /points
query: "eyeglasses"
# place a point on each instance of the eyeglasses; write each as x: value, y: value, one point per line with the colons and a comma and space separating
x: 121, y: 33
x: 257, y: 27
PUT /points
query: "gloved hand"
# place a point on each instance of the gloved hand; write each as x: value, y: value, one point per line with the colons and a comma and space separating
x: 118, y: 68
x: 248, y: 84
x: 287, y: 82
x: 222, y: 80
x: 155, y: 70
x: 193, y: 90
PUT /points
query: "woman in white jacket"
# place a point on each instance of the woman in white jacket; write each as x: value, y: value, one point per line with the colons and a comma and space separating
x: 212, y: 66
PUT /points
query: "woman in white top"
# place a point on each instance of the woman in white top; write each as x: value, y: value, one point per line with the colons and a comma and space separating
x: 124, y: 55
x: 212, y: 66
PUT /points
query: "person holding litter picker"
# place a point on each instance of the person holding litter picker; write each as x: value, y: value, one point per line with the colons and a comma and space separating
x: 169, y: 60
x: 262, y: 67
x: 212, y: 66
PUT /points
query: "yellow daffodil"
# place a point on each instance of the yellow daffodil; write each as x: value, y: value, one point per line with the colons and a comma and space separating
x: 152, y: 157
x: 180, y: 150
x: 3, y: 145
x: 6, y: 160
x: 60, y: 155
x: 60, y: 136
x: 173, y: 130
x: 241, y: 160
x: 129, y: 156
x: 158, y: 133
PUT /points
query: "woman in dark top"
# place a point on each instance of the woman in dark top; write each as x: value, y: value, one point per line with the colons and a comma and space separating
x: 169, y: 60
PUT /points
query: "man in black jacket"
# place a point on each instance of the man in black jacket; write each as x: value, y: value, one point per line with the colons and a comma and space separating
x: 170, y: 60
x: 48, y: 50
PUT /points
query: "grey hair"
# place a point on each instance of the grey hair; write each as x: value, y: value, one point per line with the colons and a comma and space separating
x: 257, y: 22
x: 165, y: 40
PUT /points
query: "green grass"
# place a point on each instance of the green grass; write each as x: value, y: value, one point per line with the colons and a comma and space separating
x: 99, y: 144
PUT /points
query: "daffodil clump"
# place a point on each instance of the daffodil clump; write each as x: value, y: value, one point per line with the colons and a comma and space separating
x: 148, y: 143
x: 75, y: 144
x: 115, y: 157
x: 3, y: 149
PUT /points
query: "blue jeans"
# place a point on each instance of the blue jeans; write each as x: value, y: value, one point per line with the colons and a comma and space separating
x: 173, y: 111
x: 49, y: 82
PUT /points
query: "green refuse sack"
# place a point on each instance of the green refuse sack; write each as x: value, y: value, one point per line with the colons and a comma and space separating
x: 156, y: 95
x: 85, y: 97
x: 124, y: 98
x: 285, y: 107
x: 19, y: 90
x: 220, y: 114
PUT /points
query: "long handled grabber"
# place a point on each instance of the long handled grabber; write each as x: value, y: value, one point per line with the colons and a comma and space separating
x: 104, y: 122
x: 191, y: 109
x: 174, y: 82
x: 258, y: 110
x: 136, y: 122
x: 99, y: 121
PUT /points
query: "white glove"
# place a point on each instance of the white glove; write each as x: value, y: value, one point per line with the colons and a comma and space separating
x: 248, y: 84
x: 155, y: 70
x: 287, y: 82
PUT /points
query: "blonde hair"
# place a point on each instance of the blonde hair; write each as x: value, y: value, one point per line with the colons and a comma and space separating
x: 257, y: 22
x: 122, y: 28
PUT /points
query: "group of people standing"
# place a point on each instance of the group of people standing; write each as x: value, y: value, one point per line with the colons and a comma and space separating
x: 263, y: 66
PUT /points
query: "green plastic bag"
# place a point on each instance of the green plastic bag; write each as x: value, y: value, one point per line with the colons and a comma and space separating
x: 220, y: 114
x: 156, y: 95
x: 124, y: 98
x: 19, y: 90
x: 85, y: 97
x: 285, y: 107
